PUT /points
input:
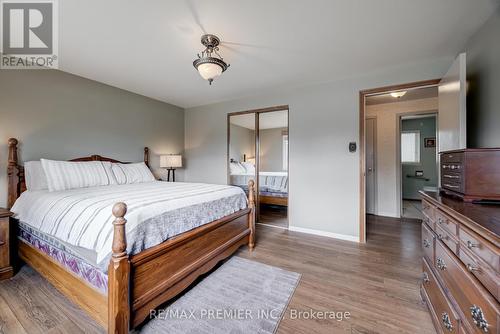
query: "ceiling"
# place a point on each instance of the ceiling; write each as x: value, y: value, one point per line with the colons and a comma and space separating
x: 267, y: 120
x: 147, y: 47
x: 413, y: 94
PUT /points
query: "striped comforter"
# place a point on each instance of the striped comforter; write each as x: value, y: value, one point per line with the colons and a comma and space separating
x: 156, y: 211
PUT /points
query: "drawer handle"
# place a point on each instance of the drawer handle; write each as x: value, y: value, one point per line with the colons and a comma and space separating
x: 451, y: 186
x: 471, y: 268
x: 451, y: 176
x: 440, y: 220
x: 478, y: 318
x: 440, y: 263
x: 425, y: 277
x: 471, y: 245
x: 427, y: 244
x: 441, y: 237
x: 2, y: 243
x: 446, y: 321
x: 452, y: 167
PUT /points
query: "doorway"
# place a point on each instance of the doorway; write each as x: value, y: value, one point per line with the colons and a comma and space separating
x: 418, y: 161
x: 380, y: 109
x: 258, y: 149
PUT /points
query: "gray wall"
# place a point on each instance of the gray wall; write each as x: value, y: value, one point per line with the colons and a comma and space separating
x: 411, y: 186
x: 242, y: 142
x: 271, y: 150
x: 483, y: 76
x: 60, y: 116
x: 323, y: 119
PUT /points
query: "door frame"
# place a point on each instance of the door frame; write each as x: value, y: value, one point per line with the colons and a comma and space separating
x: 363, y: 94
x: 375, y: 165
x: 257, y: 112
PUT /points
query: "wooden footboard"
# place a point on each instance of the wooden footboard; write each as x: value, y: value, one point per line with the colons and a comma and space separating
x: 138, y: 284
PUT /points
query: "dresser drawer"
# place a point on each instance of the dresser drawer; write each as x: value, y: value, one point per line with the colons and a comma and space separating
x: 452, y: 157
x: 483, y: 272
x: 429, y: 214
x: 4, y: 242
x: 480, y: 248
x: 447, y: 223
x: 447, y: 239
x: 441, y: 308
x: 428, y: 241
x: 451, y: 167
x: 479, y: 309
x: 451, y: 185
x: 452, y: 177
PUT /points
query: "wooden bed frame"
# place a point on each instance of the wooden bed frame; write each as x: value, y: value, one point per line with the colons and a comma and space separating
x: 272, y: 200
x: 139, y: 283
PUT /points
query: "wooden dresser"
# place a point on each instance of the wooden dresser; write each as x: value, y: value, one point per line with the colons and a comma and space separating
x: 5, y: 247
x: 471, y: 174
x: 461, y: 264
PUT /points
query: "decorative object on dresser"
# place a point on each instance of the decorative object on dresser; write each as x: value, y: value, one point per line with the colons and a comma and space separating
x: 171, y: 162
x: 140, y: 282
x: 471, y: 174
x: 461, y: 264
x: 6, y: 270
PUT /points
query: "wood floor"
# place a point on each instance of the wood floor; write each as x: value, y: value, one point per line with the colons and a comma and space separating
x: 273, y: 215
x: 377, y: 283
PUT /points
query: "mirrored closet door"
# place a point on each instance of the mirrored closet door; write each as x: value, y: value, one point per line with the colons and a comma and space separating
x: 241, y: 150
x: 258, y: 149
x: 273, y: 168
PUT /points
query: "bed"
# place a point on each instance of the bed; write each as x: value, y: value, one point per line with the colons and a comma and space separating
x: 273, y: 186
x: 119, y: 251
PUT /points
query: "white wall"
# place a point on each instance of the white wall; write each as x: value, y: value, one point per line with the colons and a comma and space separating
x: 388, y: 203
x: 323, y: 119
x: 57, y: 115
x: 242, y: 142
x: 271, y: 149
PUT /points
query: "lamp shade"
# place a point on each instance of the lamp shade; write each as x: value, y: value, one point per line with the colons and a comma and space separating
x: 171, y: 161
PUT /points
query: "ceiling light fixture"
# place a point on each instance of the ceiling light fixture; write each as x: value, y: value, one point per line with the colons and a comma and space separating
x: 399, y: 94
x: 210, y: 64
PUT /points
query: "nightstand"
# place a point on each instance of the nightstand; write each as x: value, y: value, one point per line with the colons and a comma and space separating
x: 6, y: 270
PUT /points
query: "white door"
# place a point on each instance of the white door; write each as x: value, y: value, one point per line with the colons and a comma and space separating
x: 370, y: 133
x: 452, y: 107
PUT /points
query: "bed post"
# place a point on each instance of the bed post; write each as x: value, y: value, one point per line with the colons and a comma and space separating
x: 119, y: 276
x: 146, y: 156
x: 12, y: 173
x: 251, y: 215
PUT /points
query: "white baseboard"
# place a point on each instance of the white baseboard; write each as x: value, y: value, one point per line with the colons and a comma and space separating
x: 324, y: 234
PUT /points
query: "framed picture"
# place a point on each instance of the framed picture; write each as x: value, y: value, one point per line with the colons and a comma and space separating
x: 430, y: 142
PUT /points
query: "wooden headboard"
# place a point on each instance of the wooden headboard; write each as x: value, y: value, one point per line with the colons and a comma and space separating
x: 15, y: 172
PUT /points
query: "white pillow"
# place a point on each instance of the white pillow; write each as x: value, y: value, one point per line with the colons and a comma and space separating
x: 65, y: 175
x: 249, y: 167
x: 132, y: 173
x: 35, y: 176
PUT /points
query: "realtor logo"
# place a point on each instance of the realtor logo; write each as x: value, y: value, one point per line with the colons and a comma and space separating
x: 29, y: 34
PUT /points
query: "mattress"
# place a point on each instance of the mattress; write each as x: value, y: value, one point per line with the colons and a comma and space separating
x: 79, y: 221
x: 66, y: 257
x: 270, y: 183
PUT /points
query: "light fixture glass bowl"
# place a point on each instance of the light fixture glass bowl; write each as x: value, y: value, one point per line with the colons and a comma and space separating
x: 209, y: 71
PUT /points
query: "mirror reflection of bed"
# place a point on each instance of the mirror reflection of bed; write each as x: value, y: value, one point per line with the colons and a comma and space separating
x: 258, y: 150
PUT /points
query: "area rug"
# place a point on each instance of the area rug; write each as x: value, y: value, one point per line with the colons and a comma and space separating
x: 241, y: 296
